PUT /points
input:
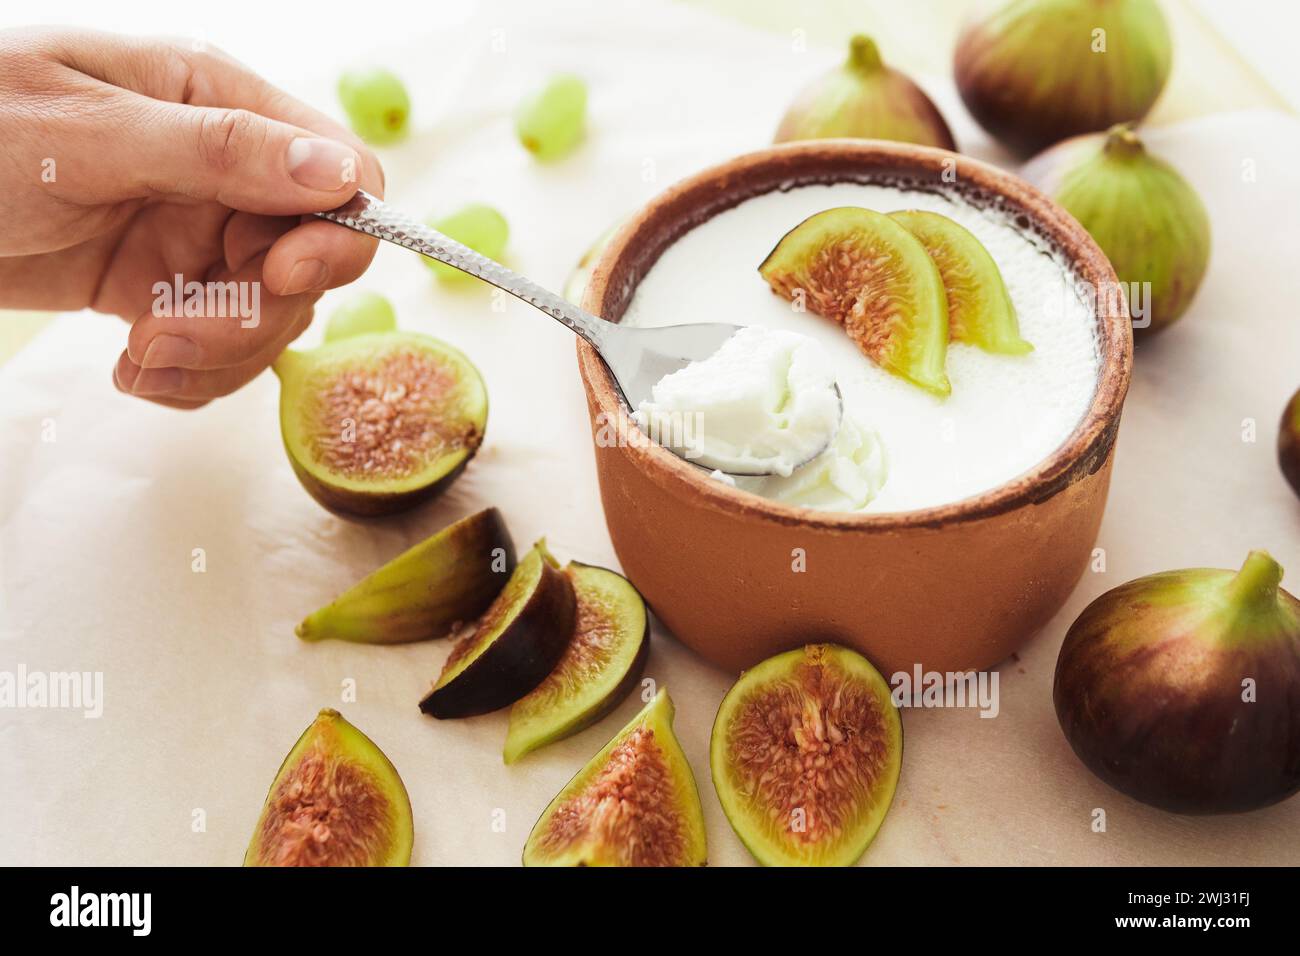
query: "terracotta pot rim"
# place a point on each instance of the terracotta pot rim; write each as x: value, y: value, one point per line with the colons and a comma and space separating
x: 1082, y: 453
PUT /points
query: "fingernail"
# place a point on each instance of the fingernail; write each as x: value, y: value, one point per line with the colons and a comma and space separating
x: 322, y: 163
x: 124, y: 373
x: 307, y: 274
x: 165, y: 351
x: 157, y: 381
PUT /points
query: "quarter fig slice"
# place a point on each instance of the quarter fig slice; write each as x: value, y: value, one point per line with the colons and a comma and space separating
x: 426, y: 591
x: 806, y: 753
x: 376, y: 423
x: 336, y: 801
x: 980, y: 310
x: 603, y: 661
x: 513, y: 646
x: 861, y: 269
x: 634, y: 804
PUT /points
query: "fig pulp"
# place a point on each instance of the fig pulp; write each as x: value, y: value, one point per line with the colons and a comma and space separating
x: 1146, y: 218
x: 1036, y: 71
x: 864, y: 98
x: 1180, y: 689
x: 603, y: 661
x: 869, y: 274
x: 374, y: 424
x: 634, y: 804
x: 424, y: 592
x: 806, y: 752
x: 1288, y: 443
x: 979, y: 308
x: 336, y: 801
x: 513, y: 646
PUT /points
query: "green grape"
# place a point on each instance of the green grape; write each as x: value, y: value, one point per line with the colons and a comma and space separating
x: 376, y: 104
x: 361, y: 314
x: 480, y: 227
x: 551, y: 121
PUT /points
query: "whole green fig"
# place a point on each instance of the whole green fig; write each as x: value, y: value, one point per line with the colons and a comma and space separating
x: 1288, y: 443
x: 1182, y: 689
x: 865, y: 99
x: 1144, y: 215
x: 1033, y: 72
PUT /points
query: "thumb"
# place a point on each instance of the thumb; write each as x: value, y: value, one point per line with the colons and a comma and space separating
x: 246, y: 161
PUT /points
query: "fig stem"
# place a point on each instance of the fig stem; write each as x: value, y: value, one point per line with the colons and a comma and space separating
x: 1255, y: 585
x: 1122, y: 141
x: 864, y: 55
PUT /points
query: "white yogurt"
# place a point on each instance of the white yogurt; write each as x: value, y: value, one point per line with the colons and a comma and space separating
x: 764, y: 402
x: 1005, y: 413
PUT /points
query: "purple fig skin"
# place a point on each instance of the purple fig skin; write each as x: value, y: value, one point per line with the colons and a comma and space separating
x: 865, y: 99
x: 1031, y: 72
x: 1288, y: 444
x: 1149, y: 688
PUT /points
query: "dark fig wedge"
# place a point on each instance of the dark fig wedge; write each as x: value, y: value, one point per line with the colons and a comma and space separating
x: 376, y: 423
x: 979, y: 308
x: 604, y: 660
x: 336, y: 801
x: 861, y: 269
x: 425, y: 592
x: 866, y: 99
x: 806, y: 753
x: 515, y: 644
x: 1288, y: 443
x: 634, y: 804
x: 1182, y: 689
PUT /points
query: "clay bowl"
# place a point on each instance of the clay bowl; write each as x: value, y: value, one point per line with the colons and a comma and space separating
x: 954, y: 587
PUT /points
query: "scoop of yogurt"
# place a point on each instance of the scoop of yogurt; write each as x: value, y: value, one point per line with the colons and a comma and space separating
x: 764, y: 403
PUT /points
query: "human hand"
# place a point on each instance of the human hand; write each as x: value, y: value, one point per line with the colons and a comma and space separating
x: 128, y: 162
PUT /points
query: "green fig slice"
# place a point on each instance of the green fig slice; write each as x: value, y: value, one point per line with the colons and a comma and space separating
x: 634, y: 804
x: 374, y: 424
x: 603, y: 661
x: 425, y: 592
x: 1182, y: 689
x: 861, y: 269
x: 980, y: 310
x: 806, y: 752
x: 513, y: 646
x: 363, y: 313
x: 336, y: 801
x: 866, y: 99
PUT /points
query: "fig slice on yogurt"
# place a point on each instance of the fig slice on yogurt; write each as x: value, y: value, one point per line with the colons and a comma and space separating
x: 863, y: 270
x: 513, y: 646
x: 806, y: 753
x: 980, y: 310
x: 603, y: 661
x: 634, y: 804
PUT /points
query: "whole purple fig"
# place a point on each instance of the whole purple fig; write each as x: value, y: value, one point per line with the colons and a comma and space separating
x: 1288, y: 443
x: 1036, y: 71
x: 865, y: 99
x: 1182, y: 689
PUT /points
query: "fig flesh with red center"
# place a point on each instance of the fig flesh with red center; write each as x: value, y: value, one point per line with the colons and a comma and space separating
x: 806, y: 752
x: 1182, y: 689
x: 865, y: 99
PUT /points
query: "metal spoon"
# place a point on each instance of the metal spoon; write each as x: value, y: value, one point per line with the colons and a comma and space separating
x: 637, y: 357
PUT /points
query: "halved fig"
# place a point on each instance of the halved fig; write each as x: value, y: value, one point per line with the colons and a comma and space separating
x: 376, y: 423
x: 603, y: 661
x: 425, y: 592
x: 805, y: 754
x: 336, y: 801
x: 980, y: 310
x: 863, y: 270
x: 634, y: 804
x: 514, y: 645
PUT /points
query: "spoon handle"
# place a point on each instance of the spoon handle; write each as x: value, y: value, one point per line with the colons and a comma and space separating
x: 364, y: 213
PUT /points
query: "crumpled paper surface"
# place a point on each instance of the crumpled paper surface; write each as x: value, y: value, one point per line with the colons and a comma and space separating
x: 104, y: 499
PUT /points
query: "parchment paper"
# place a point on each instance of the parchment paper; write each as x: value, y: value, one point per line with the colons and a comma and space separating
x: 104, y: 499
